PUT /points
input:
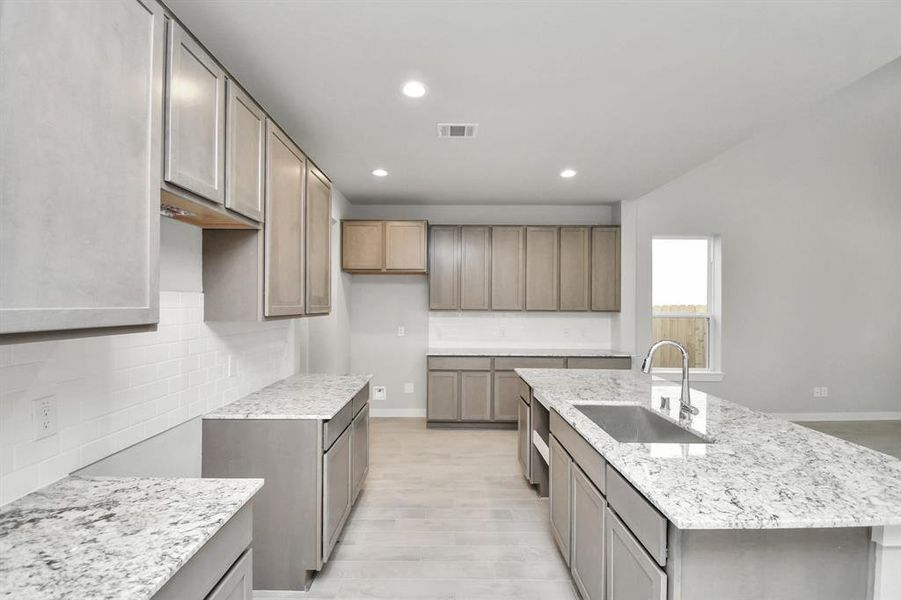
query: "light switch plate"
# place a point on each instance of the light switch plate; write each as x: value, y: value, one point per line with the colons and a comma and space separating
x: 379, y: 392
x: 408, y: 388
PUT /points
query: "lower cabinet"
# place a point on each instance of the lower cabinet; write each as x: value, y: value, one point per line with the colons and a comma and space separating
x: 524, y: 439
x: 631, y: 573
x: 360, y: 449
x: 507, y: 388
x: 337, y: 492
x: 475, y: 396
x: 442, y: 396
x: 560, y: 496
x: 587, y: 542
x: 238, y: 582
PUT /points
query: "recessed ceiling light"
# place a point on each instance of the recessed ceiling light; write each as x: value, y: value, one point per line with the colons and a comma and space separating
x: 567, y: 173
x: 414, y: 89
x: 380, y: 172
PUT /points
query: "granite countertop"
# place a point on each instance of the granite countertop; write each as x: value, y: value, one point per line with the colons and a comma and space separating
x: 297, y: 397
x: 760, y: 472
x: 520, y: 351
x: 110, y: 538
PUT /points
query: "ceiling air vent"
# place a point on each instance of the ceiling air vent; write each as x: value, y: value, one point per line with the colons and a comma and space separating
x: 457, y: 130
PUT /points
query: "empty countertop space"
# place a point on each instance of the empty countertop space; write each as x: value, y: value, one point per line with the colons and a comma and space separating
x: 96, y: 537
x: 314, y: 396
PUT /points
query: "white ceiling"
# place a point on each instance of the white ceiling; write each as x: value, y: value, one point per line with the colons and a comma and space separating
x: 631, y: 94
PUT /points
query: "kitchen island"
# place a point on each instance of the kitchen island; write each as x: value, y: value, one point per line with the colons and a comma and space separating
x: 766, y: 510
x: 129, y: 538
x: 308, y: 437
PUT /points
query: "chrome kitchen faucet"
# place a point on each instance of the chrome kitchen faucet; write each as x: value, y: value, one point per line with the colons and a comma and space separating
x: 685, y: 397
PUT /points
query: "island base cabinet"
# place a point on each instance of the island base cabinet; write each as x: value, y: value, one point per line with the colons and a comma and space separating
x: 586, y: 562
x: 560, y: 496
x: 631, y: 573
x: 360, y: 450
x: 524, y: 441
x: 238, y: 582
x: 337, y: 490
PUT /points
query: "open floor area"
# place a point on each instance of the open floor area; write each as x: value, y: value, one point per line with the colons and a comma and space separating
x: 445, y: 514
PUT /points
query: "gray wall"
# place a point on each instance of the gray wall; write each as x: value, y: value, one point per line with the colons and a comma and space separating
x: 810, y: 218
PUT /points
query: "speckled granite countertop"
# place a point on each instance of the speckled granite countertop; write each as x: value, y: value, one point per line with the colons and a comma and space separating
x: 760, y: 473
x: 518, y: 351
x: 297, y: 397
x: 111, y: 538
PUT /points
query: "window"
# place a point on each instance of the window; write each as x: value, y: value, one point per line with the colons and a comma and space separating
x: 685, y: 296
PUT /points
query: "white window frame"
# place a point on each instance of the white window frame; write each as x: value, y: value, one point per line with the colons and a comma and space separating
x: 714, y: 370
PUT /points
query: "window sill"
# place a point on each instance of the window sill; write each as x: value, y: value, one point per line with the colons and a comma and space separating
x: 693, y: 375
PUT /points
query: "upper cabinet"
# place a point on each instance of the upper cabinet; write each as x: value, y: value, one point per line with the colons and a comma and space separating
x: 605, y: 269
x: 444, y: 267
x: 512, y: 268
x: 284, y: 277
x: 245, y: 152
x: 195, y: 118
x: 81, y: 122
x: 575, y: 268
x: 508, y: 267
x: 319, y: 242
x: 542, y: 268
x: 384, y: 247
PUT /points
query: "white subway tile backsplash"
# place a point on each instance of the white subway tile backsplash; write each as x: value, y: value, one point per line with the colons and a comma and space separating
x: 115, y: 391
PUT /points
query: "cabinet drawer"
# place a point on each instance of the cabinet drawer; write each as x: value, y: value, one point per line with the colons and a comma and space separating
x: 361, y: 399
x: 610, y: 362
x: 642, y: 519
x: 237, y: 583
x: 332, y: 428
x: 525, y: 362
x: 459, y: 363
x: 592, y: 463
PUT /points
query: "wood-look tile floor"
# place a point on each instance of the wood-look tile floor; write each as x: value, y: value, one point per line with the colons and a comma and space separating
x: 445, y: 514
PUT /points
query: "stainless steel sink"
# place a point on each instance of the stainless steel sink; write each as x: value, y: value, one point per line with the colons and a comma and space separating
x: 630, y: 423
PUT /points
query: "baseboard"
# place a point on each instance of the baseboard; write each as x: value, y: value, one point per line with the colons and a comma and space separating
x: 279, y: 595
x: 413, y: 413
x: 840, y: 416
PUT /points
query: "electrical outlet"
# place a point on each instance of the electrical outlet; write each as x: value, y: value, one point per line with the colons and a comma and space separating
x: 821, y: 392
x: 379, y: 392
x: 408, y: 388
x: 401, y: 331
x: 44, y: 417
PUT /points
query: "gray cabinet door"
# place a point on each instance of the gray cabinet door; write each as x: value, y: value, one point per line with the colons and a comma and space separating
x: 631, y: 572
x: 560, y: 466
x: 284, y: 254
x: 507, y: 267
x: 360, y: 450
x: 542, y: 268
x: 337, y: 493
x: 319, y: 243
x: 575, y: 268
x: 475, y: 267
x: 605, y: 269
x: 442, y: 396
x: 237, y: 584
x: 444, y: 267
x: 246, y: 143
x: 524, y: 439
x: 195, y: 118
x: 507, y: 387
x: 80, y: 125
x: 587, y: 536
x: 475, y: 396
